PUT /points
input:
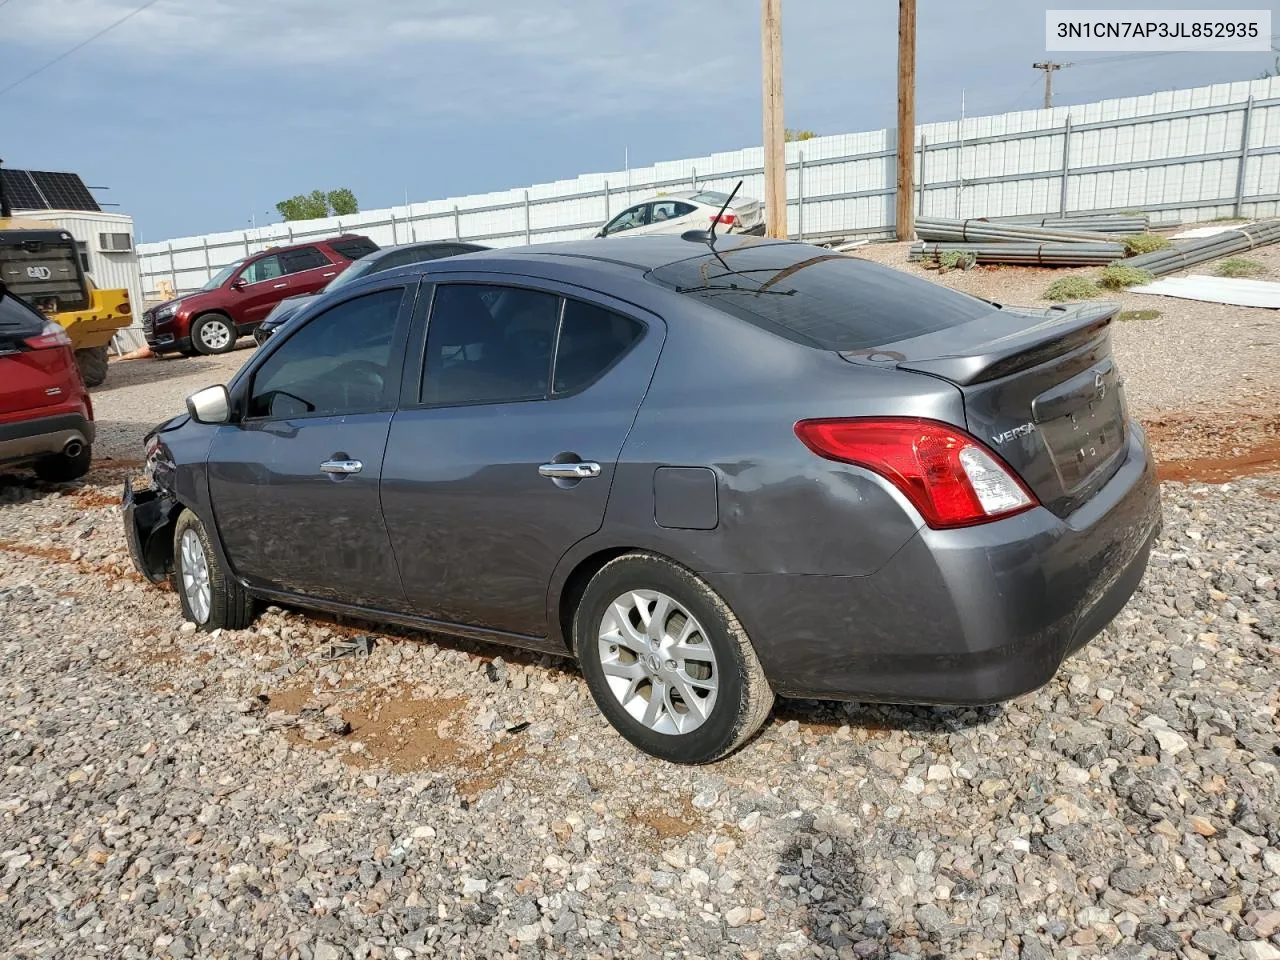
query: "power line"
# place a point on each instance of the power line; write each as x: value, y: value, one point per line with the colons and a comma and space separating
x: 1210, y: 48
x: 79, y: 46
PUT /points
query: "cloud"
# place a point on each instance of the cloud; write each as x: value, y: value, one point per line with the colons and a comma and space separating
x: 429, y: 56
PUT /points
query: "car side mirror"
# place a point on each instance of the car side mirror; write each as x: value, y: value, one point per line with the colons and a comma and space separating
x: 238, y: 283
x: 210, y: 405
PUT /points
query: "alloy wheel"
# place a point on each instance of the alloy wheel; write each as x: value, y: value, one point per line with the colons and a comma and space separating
x: 658, y: 661
x: 215, y: 335
x: 195, y: 577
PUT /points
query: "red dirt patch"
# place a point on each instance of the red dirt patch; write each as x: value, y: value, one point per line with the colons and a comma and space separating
x: 1215, y: 448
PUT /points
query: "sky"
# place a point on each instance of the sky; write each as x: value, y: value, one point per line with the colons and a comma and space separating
x: 199, y: 115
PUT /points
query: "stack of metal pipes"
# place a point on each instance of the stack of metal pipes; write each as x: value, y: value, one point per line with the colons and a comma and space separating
x: 1112, y: 223
x: 1187, y: 253
x: 984, y: 241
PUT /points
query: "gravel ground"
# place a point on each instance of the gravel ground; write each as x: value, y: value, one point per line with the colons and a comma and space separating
x: 279, y: 792
x: 255, y: 794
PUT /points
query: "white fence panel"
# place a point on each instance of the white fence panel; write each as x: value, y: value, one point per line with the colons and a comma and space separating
x: 1176, y: 154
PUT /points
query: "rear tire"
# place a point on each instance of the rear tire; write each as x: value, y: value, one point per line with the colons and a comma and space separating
x: 92, y: 362
x: 684, y: 646
x: 211, y: 599
x: 62, y: 469
x: 213, y: 333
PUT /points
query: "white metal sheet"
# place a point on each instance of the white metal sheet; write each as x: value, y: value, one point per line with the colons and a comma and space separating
x: 1240, y: 293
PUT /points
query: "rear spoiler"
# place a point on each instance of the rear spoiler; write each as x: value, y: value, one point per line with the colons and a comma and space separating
x: 1003, y: 342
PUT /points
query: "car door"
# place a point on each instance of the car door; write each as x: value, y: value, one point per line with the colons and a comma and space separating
x: 495, y: 465
x: 259, y: 287
x: 629, y: 220
x: 294, y: 480
x: 308, y: 270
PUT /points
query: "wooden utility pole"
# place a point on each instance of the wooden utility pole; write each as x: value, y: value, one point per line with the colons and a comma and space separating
x: 906, y: 226
x: 1048, y: 67
x: 775, y: 164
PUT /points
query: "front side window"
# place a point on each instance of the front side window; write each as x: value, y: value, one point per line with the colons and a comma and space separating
x: 592, y: 339
x: 308, y: 258
x: 629, y: 219
x: 268, y: 268
x: 488, y: 344
x: 338, y: 363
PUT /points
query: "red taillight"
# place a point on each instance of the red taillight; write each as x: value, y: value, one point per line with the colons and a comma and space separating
x: 726, y: 219
x: 951, y: 478
x: 51, y: 336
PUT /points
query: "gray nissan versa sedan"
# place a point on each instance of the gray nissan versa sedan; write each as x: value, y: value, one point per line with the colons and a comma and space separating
x: 712, y: 471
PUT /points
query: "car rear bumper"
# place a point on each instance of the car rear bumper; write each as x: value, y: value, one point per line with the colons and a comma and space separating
x: 970, y: 616
x: 26, y: 440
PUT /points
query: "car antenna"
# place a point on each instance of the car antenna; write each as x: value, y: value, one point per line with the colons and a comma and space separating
x: 709, y: 236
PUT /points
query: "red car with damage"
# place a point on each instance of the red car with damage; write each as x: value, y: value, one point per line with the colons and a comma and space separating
x: 46, y: 416
x: 239, y: 296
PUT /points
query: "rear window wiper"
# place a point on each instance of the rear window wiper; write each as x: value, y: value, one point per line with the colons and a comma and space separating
x: 710, y: 288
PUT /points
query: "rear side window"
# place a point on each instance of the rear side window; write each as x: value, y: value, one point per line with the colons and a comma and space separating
x: 592, y: 339
x: 307, y: 258
x: 817, y: 298
x: 17, y: 321
x: 488, y: 344
x: 353, y: 248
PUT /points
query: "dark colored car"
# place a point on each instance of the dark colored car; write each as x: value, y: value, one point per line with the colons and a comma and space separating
x: 239, y: 296
x: 46, y: 416
x: 712, y: 474
x: 386, y: 258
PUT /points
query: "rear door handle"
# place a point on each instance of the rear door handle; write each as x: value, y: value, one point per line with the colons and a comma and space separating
x: 279, y: 286
x: 341, y: 466
x: 570, y: 471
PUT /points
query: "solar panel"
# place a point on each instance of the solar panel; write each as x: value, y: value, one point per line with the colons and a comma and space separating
x: 43, y: 190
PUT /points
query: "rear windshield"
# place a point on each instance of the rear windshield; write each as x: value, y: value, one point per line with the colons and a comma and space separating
x: 819, y: 298
x: 713, y: 198
x: 353, y: 248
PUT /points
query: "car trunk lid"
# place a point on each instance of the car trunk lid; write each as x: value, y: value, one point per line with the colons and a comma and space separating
x: 1040, y: 387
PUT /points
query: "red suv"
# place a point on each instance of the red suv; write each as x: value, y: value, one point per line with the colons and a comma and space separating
x: 241, y: 295
x: 46, y: 417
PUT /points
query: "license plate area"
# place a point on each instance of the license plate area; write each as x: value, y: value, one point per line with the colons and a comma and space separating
x: 1082, y: 423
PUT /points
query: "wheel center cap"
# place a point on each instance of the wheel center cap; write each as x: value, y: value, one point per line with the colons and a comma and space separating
x: 653, y: 662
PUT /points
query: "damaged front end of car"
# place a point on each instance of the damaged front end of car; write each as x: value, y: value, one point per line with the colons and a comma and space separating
x: 150, y: 513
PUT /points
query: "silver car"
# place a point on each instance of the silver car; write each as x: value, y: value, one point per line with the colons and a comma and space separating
x: 675, y: 213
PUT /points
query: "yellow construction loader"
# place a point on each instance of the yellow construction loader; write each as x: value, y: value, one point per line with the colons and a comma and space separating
x: 40, y: 262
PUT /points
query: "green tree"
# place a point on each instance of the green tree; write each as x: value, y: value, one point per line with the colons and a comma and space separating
x: 342, y: 202
x: 305, y: 206
x: 790, y: 135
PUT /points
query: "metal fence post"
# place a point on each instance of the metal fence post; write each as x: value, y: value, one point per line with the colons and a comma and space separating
x: 1066, y: 165
x: 800, y: 196
x: 924, y: 148
x: 394, y: 238
x: 606, y: 201
x: 1244, y: 155
x: 208, y: 265
x: 173, y: 274
x: 526, y: 218
x: 457, y: 223
x: 694, y: 182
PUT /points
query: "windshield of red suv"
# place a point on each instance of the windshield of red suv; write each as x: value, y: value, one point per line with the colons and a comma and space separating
x: 221, y: 277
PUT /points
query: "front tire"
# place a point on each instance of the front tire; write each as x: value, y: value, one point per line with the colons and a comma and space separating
x: 667, y: 661
x: 213, y: 333
x: 92, y: 362
x: 211, y: 599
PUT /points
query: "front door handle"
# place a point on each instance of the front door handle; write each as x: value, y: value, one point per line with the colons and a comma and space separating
x: 279, y: 286
x: 570, y: 471
x: 341, y: 466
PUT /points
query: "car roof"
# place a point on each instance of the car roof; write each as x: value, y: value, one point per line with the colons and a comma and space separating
x: 307, y: 243
x: 642, y: 253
